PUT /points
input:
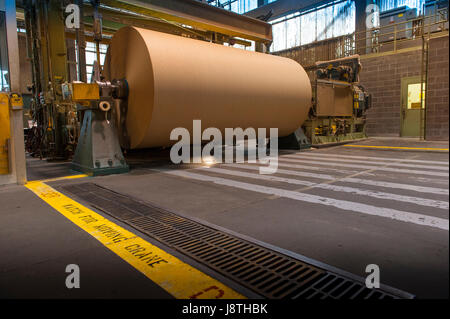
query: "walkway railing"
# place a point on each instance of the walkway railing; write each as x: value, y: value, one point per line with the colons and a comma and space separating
x: 389, y: 38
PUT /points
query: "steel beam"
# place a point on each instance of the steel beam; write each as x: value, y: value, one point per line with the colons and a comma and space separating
x: 114, y: 20
x: 81, y: 46
x: 200, y: 16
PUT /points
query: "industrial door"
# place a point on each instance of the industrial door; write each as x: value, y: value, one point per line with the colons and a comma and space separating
x: 411, y: 106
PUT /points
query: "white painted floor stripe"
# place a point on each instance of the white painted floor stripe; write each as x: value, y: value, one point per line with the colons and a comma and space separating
x: 414, y: 218
x: 368, y: 167
x: 421, y: 189
x: 392, y: 163
x: 374, y: 158
x: 297, y: 173
x: 321, y: 169
x: 415, y: 188
x: 314, y: 168
x: 331, y: 187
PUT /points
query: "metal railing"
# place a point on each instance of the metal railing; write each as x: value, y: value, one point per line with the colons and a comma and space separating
x: 324, y: 50
x: 414, y: 33
x: 390, y: 38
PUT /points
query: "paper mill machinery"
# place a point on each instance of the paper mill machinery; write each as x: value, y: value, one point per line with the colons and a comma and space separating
x: 150, y: 86
x: 160, y: 74
x: 340, y: 102
x: 57, y: 52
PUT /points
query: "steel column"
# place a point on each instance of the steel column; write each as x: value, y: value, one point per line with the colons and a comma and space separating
x: 17, y: 145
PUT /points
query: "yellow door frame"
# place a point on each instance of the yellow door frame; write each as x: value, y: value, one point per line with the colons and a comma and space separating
x: 5, y: 134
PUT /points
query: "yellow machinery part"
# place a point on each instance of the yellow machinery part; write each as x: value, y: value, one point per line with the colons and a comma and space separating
x: 333, y: 129
x: 85, y: 91
x: 16, y: 101
x: 4, y: 133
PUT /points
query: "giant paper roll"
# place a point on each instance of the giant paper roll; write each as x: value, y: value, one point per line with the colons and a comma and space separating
x: 174, y: 80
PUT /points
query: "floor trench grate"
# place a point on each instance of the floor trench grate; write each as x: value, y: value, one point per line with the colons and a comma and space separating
x: 264, y: 271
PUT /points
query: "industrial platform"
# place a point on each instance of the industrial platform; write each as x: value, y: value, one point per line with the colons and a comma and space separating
x: 330, y: 211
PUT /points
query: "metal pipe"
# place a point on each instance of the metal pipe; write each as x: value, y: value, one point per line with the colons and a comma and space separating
x: 81, y: 46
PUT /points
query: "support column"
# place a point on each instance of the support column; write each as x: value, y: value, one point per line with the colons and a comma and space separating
x: 360, y: 26
x: 81, y: 46
x: 17, y: 145
x: 54, y: 60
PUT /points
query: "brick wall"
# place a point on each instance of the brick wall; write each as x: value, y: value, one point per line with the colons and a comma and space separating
x: 437, y: 95
x: 382, y: 77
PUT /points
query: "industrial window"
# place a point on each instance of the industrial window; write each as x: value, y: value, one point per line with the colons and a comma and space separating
x: 238, y: 6
x: 91, y: 56
x: 386, y: 5
x: 328, y: 21
x: 414, y: 94
x: 251, y: 47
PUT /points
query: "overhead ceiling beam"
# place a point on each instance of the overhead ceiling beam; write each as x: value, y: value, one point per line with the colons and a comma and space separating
x: 283, y: 7
x: 200, y: 16
x: 114, y: 20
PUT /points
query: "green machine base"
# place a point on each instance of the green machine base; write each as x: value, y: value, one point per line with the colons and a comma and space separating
x: 350, y: 137
x: 294, y: 141
x: 98, y: 151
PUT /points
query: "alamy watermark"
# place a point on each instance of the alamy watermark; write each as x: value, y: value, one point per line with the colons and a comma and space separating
x: 73, y: 279
x: 249, y: 142
x: 373, y: 16
x: 73, y: 16
x: 373, y: 279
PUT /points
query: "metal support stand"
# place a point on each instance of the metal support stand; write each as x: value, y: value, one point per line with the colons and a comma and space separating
x: 294, y: 141
x: 98, y: 151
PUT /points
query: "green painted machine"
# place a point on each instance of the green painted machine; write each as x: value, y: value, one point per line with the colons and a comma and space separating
x: 338, y: 111
x: 98, y: 150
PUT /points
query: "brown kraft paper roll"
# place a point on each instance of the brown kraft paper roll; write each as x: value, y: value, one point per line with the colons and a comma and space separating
x: 174, y: 80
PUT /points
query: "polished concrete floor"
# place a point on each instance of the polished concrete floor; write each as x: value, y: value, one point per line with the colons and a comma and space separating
x: 344, y: 206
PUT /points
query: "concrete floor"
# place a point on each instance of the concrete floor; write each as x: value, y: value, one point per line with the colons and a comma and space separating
x: 37, y: 245
x: 411, y: 256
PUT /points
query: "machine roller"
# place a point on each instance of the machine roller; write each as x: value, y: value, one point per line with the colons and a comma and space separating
x: 155, y: 82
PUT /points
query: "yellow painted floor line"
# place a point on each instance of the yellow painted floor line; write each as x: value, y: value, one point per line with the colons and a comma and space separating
x: 176, y: 277
x: 400, y: 147
x: 61, y: 178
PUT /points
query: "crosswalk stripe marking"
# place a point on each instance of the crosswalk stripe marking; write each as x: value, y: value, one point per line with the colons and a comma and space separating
x: 380, y: 195
x: 415, y: 188
x: 414, y: 218
x: 374, y: 158
x: 386, y: 169
x: 393, y: 163
x: 398, y: 147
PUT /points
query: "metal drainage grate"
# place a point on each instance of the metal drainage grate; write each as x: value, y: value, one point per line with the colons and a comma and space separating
x: 264, y: 271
